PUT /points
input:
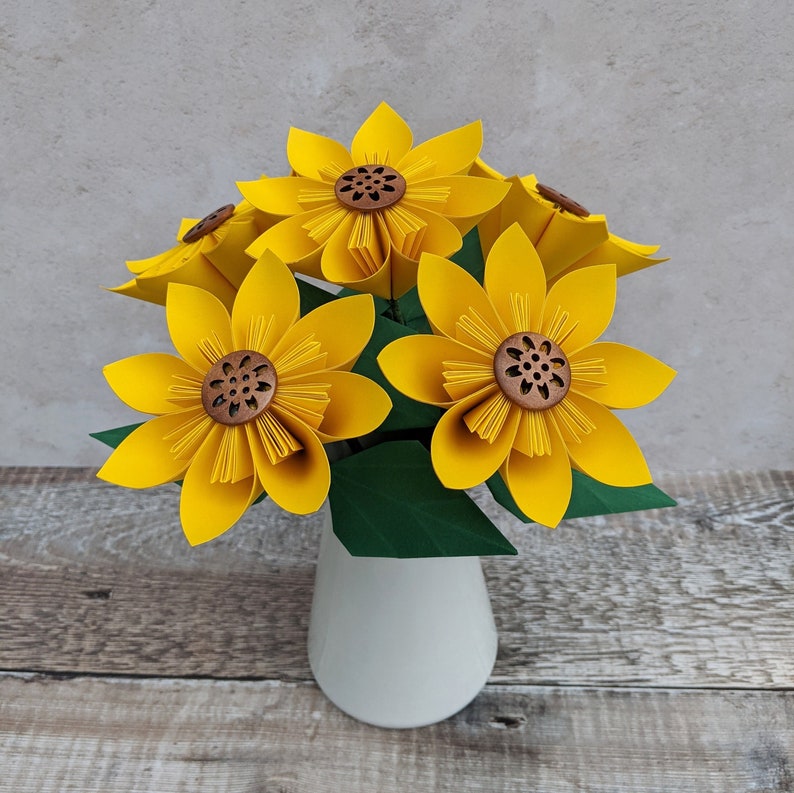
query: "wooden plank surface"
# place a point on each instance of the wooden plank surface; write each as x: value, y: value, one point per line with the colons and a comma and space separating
x: 95, y: 736
x: 96, y: 579
x: 641, y: 652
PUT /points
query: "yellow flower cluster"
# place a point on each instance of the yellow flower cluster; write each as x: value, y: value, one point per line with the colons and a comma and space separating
x: 515, y: 362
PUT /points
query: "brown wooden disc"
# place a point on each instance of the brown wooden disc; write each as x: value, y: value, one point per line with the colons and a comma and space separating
x: 209, y: 223
x: 369, y: 187
x: 562, y: 200
x: 239, y: 387
x: 532, y: 371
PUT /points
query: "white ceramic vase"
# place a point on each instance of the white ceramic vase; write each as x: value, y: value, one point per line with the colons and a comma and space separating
x: 399, y: 642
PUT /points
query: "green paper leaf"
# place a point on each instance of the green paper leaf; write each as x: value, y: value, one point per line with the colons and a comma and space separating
x: 590, y: 497
x: 469, y: 257
x: 115, y: 436
x: 387, y: 501
x: 405, y: 412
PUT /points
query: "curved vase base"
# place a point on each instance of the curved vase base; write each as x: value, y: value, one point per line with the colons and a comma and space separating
x: 399, y: 642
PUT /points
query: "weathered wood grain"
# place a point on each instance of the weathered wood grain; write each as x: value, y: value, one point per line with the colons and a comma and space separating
x: 96, y: 736
x: 96, y: 579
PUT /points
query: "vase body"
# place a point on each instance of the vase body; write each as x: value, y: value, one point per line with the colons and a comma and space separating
x: 399, y: 642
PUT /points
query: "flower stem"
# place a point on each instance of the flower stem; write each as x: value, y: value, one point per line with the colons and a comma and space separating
x: 395, y: 312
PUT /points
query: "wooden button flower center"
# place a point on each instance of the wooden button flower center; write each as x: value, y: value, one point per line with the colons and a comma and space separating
x: 209, y: 223
x: 369, y: 187
x: 239, y: 387
x: 562, y: 200
x: 532, y: 371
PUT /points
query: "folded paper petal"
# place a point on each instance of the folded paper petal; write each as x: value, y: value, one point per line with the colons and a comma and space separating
x: 627, y: 256
x: 342, y: 327
x: 146, y: 457
x: 567, y: 238
x: 461, y: 458
x: 358, y: 406
x: 340, y: 266
x: 439, y: 278
x: 209, y: 507
x: 633, y: 378
x: 414, y: 365
x: 199, y: 325
x: 541, y: 484
x: 229, y: 256
x: 178, y: 265
x: 514, y: 268
x: 588, y: 297
x: 608, y: 453
x: 450, y: 153
x: 267, y: 305
x: 384, y: 138
x: 143, y: 381
x: 470, y: 197
x: 290, y: 241
x: 278, y: 195
x: 300, y: 482
x: 309, y: 153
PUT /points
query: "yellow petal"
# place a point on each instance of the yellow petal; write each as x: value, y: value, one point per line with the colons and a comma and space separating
x: 298, y: 483
x: 288, y: 239
x: 514, y: 278
x: 342, y: 327
x: 414, y: 365
x: 143, y: 381
x: 447, y: 292
x: 450, y: 153
x: 267, y: 305
x: 145, y: 457
x: 229, y: 256
x: 461, y: 458
x: 279, y: 195
x: 208, y: 508
x: 402, y: 273
x: 358, y: 406
x: 587, y: 297
x: 470, y: 198
x: 131, y: 289
x: 541, y: 484
x: 194, y: 270
x: 627, y: 256
x: 309, y: 154
x: 199, y: 325
x: 440, y: 236
x: 568, y: 238
x: 608, y: 453
x: 341, y: 266
x: 633, y: 378
x: 525, y: 208
x: 384, y: 138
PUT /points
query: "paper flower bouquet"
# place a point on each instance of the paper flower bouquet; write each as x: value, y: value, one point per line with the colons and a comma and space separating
x: 455, y: 341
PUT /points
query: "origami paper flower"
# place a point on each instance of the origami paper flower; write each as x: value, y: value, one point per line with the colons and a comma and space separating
x: 249, y: 403
x: 361, y: 218
x: 566, y: 236
x: 210, y: 254
x: 527, y: 386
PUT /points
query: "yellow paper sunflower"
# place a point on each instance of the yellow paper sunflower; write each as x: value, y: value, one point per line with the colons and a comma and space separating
x: 527, y: 387
x: 210, y: 253
x: 361, y: 218
x: 566, y: 236
x: 251, y: 400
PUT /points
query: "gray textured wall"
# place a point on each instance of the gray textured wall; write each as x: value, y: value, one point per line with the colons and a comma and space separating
x: 673, y: 119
